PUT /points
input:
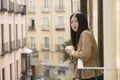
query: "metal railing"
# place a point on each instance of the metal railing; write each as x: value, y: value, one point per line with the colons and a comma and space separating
x: 60, y: 27
x: 11, y: 6
x: 80, y: 67
x: 3, y: 5
x: 59, y: 47
x: 90, y: 68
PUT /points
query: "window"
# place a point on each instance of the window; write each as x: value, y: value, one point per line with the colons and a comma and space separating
x: 4, y: 5
x: 46, y: 58
x: 17, y: 68
x: 11, y: 6
x: 60, y: 43
x: 45, y: 23
x: 45, y: 7
x: 11, y: 72
x: 61, y: 59
x: 46, y: 73
x: 2, y: 37
x: 60, y: 23
x: 31, y: 6
x: 3, y: 74
x: 61, y: 72
x: 46, y: 43
x: 45, y: 3
x: 10, y: 43
x: 60, y: 5
x: 78, y: 5
x: 31, y: 24
x: 32, y: 42
x: 16, y: 36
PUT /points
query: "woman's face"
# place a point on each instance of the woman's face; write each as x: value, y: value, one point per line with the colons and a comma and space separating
x: 74, y: 24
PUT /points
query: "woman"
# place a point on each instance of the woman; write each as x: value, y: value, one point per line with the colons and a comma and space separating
x: 83, y: 47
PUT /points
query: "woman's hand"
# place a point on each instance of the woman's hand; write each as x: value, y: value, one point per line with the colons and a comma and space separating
x: 69, y: 49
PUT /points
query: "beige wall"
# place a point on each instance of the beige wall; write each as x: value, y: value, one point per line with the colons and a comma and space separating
x: 110, y: 39
x: 118, y: 36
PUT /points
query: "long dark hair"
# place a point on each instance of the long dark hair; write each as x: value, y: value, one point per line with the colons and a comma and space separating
x: 82, y: 25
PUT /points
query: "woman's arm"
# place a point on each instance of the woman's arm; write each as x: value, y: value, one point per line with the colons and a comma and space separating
x: 86, y: 48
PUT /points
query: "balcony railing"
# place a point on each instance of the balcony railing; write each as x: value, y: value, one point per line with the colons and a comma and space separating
x: 60, y: 27
x: 60, y: 8
x: 31, y: 27
x: 31, y: 46
x: 59, y: 47
x: 23, y: 10
x: 4, y: 48
x: 24, y: 42
x: 45, y: 27
x: 18, y: 8
x: 11, y: 6
x: 45, y: 47
x: 91, y: 68
x: 3, y: 5
x: 12, y: 46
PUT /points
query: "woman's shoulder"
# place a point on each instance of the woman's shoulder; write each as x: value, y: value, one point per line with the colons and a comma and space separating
x: 87, y: 33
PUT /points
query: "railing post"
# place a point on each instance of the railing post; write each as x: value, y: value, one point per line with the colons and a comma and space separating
x: 79, y: 72
x: 80, y: 66
x: 95, y: 74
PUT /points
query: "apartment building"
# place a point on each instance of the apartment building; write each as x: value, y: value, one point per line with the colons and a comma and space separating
x: 12, y: 38
x: 47, y: 30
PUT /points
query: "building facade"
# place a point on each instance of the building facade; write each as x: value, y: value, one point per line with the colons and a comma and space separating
x: 12, y: 38
x: 47, y: 29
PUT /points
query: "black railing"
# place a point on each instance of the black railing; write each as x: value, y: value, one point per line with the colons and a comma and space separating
x: 24, y: 42
x: 59, y: 47
x: 45, y: 47
x: 23, y: 10
x: 12, y: 47
x: 11, y: 6
x: 90, y: 68
x: 31, y: 27
x: 3, y: 5
x: 60, y: 27
x: 4, y: 48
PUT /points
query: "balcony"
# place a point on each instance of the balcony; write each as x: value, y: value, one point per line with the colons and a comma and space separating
x: 59, y: 47
x: 31, y: 28
x: 24, y: 42
x: 18, y: 9
x: 23, y: 10
x: 45, y: 27
x: 45, y: 47
x: 44, y: 9
x: 60, y: 8
x: 3, y: 5
x: 31, y: 46
x: 60, y: 27
x: 4, y: 48
x: 12, y: 46
x: 18, y: 44
x: 11, y: 6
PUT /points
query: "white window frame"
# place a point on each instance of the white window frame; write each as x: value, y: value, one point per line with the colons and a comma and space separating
x: 32, y: 42
x: 45, y: 23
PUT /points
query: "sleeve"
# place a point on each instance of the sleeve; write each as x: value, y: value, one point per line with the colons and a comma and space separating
x: 86, y: 48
